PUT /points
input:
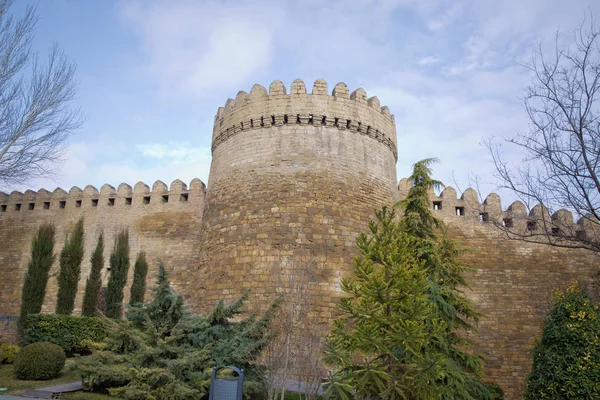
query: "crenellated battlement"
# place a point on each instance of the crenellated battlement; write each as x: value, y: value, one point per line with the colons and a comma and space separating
x: 160, y: 196
x: 515, y: 217
x: 342, y: 110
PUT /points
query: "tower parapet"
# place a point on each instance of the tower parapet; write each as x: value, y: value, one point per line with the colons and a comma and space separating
x: 260, y: 109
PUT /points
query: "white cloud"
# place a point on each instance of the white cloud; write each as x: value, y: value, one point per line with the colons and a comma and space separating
x: 191, y: 48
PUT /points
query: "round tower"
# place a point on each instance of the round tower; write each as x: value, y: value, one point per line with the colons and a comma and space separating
x: 295, y: 177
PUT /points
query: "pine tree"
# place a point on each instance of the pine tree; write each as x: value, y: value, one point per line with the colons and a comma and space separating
x: 94, y: 281
x: 382, y: 346
x: 70, y: 270
x: 138, y: 287
x: 166, y: 354
x: 440, y: 257
x: 36, y: 277
x: 410, y: 257
x: 119, y: 267
x: 566, y: 359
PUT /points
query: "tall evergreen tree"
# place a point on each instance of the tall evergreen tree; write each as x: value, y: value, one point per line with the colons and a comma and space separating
x: 94, y: 281
x: 382, y: 346
x: 138, y: 287
x: 389, y: 345
x: 439, y: 256
x: 119, y: 267
x: 70, y: 270
x: 566, y: 359
x: 36, y: 277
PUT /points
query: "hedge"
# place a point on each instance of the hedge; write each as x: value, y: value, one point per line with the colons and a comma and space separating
x: 66, y: 331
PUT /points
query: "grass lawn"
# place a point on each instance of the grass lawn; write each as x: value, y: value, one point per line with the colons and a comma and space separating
x: 16, y: 386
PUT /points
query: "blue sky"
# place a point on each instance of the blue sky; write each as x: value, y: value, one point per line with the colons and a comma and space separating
x: 153, y: 73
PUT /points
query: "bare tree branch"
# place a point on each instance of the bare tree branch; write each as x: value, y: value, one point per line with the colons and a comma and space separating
x: 562, y: 146
x: 36, y: 118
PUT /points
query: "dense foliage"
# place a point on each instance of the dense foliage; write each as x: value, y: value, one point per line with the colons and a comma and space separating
x: 70, y: 270
x: 67, y: 331
x: 36, y: 277
x: 138, y: 287
x: 161, y: 353
x: 39, y: 361
x: 566, y: 359
x: 119, y: 267
x: 8, y: 352
x: 94, y: 281
x: 398, y: 336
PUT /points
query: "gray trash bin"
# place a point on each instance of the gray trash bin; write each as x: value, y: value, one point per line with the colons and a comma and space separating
x: 227, y: 388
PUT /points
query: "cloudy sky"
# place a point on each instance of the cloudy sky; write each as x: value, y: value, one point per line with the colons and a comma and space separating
x: 153, y: 73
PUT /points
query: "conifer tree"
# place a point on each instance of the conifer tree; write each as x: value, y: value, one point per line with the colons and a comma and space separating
x: 413, y: 251
x: 119, y: 267
x: 36, y: 277
x: 70, y: 270
x: 382, y: 345
x: 94, y: 281
x: 566, y: 359
x: 138, y: 287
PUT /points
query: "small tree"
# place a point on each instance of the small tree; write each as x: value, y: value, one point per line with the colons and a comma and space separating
x: 94, y: 281
x: 70, y: 270
x: 138, y: 287
x: 36, y: 277
x: 119, y: 267
x: 566, y: 359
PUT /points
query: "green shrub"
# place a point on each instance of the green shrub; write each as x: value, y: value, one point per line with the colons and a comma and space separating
x: 39, y: 361
x: 69, y: 332
x: 566, y: 358
x: 8, y: 353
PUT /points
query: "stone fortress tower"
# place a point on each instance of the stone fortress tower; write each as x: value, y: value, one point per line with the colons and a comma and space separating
x: 295, y: 177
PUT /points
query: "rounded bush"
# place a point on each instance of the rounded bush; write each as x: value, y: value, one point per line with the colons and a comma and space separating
x: 39, y: 361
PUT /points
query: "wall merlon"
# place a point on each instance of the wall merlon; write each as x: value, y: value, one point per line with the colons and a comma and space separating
x: 124, y: 190
x: 159, y: 187
x: 277, y: 88
x: 298, y: 87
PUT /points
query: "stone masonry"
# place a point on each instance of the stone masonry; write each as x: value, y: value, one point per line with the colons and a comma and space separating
x: 294, y: 180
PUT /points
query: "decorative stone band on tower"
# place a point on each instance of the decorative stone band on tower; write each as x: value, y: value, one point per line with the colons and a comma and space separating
x: 294, y: 179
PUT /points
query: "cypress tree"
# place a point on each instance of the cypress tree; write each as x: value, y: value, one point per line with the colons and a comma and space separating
x: 119, y: 267
x: 94, y: 282
x: 138, y: 287
x: 70, y: 270
x: 36, y: 277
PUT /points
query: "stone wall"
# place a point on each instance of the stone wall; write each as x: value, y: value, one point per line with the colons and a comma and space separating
x: 162, y: 221
x: 294, y: 179
x: 513, y: 281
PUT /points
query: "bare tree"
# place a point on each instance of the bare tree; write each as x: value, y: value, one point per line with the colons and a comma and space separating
x: 562, y: 146
x: 295, y: 345
x: 35, y: 113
